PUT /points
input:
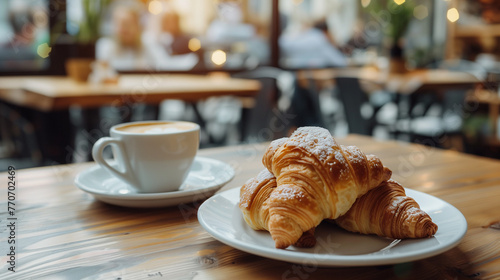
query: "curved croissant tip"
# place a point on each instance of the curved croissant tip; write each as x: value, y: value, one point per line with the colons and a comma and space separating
x: 387, y: 173
x: 425, y: 229
x: 280, y: 244
x: 431, y: 229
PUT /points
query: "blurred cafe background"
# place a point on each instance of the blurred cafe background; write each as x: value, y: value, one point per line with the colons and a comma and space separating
x: 421, y: 71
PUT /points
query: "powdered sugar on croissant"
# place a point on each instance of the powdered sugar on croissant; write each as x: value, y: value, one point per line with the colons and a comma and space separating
x: 316, y: 179
x: 254, y: 197
x: 385, y: 211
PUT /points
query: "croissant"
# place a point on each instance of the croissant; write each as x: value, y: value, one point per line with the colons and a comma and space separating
x: 387, y: 211
x: 254, y: 198
x: 384, y: 210
x: 316, y: 179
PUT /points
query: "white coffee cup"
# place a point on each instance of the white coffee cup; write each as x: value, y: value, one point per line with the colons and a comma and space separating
x: 153, y: 156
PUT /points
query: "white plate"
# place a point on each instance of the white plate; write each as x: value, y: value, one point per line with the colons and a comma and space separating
x: 204, y: 179
x: 222, y: 218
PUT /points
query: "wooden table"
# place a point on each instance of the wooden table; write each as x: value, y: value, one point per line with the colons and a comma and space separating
x: 406, y: 83
x: 63, y: 233
x: 48, y: 93
x: 45, y: 100
x: 408, y: 87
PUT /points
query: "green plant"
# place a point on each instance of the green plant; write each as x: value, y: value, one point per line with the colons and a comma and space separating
x: 89, y: 26
x: 393, y: 17
x: 401, y: 16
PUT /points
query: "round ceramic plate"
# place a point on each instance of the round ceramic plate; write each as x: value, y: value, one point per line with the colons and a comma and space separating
x: 222, y: 218
x: 204, y: 179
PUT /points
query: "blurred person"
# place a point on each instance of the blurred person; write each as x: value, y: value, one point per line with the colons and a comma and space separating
x: 228, y: 27
x: 18, y: 50
x: 128, y: 48
x: 124, y: 50
x: 21, y: 19
x: 229, y: 31
x: 165, y: 30
x: 168, y: 42
x: 307, y: 46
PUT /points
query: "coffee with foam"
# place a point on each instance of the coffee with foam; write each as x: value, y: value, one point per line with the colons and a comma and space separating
x: 157, y: 127
x: 155, y: 156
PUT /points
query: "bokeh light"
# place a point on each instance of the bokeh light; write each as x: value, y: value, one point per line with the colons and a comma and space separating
x: 194, y: 44
x: 452, y: 15
x: 43, y: 50
x: 218, y: 57
x: 155, y: 7
x: 420, y: 12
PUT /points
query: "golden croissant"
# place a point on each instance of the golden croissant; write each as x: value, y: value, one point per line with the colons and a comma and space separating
x: 384, y: 210
x: 387, y: 211
x: 316, y: 179
x: 254, y: 199
x: 254, y: 204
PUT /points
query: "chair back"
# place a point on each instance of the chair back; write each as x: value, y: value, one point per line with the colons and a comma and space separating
x: 265, y: 121
x: 353, y: 98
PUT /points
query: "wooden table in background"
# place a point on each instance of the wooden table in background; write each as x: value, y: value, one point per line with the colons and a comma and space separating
x: 48, y: 93
x: 407, y: 87
x: 406, y: 83
x: 45, y: 101
x: 63, y: 233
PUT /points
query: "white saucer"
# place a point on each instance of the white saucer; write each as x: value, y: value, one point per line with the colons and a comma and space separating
x: 205, y: 178
x: 222, y: 218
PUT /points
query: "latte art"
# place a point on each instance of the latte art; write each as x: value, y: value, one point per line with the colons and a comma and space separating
x: 157, y: 128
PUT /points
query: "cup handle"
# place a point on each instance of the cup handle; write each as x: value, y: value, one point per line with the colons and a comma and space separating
x: 97, y: 152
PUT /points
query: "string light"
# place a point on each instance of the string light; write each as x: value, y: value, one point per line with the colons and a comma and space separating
x: 399, y: 2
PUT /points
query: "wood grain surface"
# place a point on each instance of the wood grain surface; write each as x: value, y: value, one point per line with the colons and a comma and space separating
x: 64, y: 233
x: 59, y: 92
